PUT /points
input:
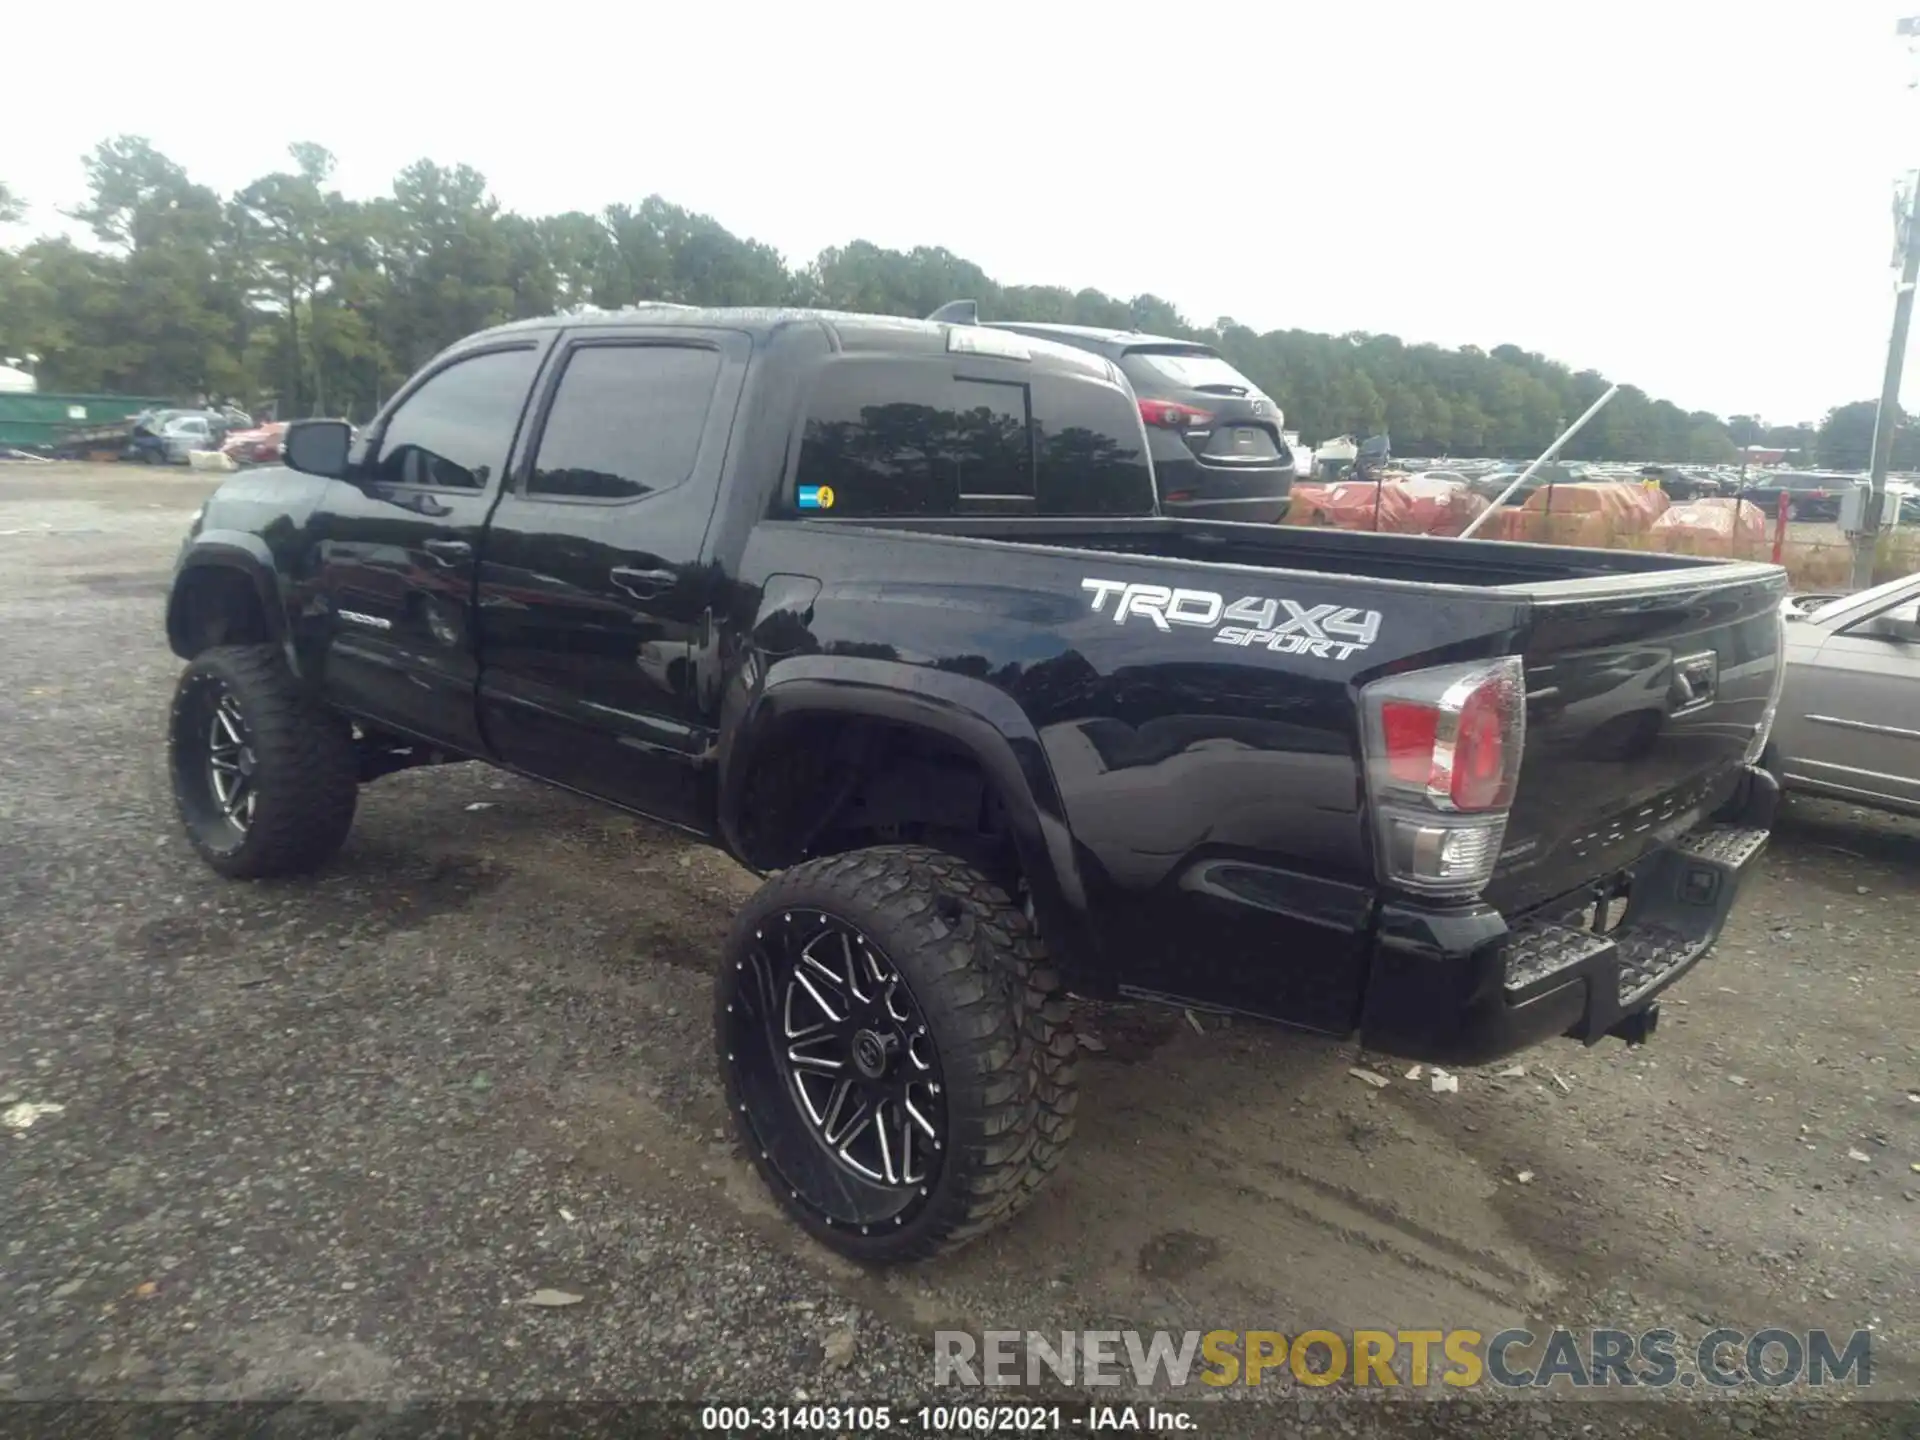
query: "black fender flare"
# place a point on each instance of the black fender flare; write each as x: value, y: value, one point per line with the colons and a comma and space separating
x: 983, y: 721
x: 237, y: 551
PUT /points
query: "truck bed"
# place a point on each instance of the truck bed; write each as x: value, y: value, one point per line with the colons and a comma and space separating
x: 1410, y: 559
x: 1184, y: 753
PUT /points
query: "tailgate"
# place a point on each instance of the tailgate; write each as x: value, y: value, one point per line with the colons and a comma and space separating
x: 1642, y: 705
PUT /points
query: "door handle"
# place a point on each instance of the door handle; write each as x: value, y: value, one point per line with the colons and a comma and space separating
x: 641, y: 583
x: 449, y: 550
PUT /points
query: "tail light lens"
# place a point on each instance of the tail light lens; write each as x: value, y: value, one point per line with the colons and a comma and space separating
x: 1443, y: 758
x: 1168, y: 415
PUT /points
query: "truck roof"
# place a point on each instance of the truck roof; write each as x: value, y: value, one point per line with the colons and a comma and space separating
x: 886, y: 334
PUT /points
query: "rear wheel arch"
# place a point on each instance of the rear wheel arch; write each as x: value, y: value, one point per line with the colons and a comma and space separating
x: 806, y: 743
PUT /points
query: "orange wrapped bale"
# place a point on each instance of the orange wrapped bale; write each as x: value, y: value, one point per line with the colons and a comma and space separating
x: 1714, y: 526
x: 1345, y: 505
x: 1412, y: 505
x: 1580, y: 514
x: 1438, y: 507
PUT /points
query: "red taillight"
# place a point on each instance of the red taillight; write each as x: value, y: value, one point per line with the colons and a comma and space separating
x: 1464, y: 760
x: 1452, y: 734
x: 1478, y: 777
x: 1409, y: 731
x: 1169, y: 415
x: 1443, y: 757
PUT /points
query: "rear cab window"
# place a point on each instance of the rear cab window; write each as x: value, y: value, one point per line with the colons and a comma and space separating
x: 939, y: 436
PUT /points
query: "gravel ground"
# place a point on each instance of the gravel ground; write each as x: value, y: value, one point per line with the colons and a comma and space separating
x: 325, y: 1140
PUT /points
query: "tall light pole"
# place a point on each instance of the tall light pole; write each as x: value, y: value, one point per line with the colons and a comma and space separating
x: 1886, y: 418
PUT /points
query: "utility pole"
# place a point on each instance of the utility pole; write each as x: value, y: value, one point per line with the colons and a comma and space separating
x: 1886, y: 419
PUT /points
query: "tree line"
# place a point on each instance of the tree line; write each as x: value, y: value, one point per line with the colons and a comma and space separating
x: 288, y: 293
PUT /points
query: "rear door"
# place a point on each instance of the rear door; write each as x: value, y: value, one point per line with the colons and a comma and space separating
x: 1855, y: 710
x: 591, y: 586
x: 1643, y: 698
x: 394, y: 556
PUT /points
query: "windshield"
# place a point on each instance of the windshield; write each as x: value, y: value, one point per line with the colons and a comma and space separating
x: 1188, y: 369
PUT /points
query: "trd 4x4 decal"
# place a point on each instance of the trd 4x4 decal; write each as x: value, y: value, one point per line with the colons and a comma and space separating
x: 1327, y: 632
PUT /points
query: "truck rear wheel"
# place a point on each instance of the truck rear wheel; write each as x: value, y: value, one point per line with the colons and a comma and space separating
x: 264, y: 779
x: 895, y: 1051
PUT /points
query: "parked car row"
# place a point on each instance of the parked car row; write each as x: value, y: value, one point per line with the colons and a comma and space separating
x: 168, y: 437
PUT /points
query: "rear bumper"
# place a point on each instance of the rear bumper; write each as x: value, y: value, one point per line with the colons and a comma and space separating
x: 1462, y: 987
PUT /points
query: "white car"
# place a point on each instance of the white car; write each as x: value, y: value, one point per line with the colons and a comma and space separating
x: 1848, y: 726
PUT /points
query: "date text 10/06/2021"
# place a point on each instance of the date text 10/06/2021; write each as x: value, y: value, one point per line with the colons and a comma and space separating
x: 961, y: 1419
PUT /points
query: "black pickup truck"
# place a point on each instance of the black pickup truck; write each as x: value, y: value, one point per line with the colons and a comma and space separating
x: 887, y: 610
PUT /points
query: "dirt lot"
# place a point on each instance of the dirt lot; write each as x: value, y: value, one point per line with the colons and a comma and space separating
x: 324, y: 1139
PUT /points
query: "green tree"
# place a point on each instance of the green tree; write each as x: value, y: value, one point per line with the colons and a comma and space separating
x: 288, y: 290
x: 1845, y: 440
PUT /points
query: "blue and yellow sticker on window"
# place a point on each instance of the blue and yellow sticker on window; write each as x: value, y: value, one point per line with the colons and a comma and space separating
x: 816, y: 497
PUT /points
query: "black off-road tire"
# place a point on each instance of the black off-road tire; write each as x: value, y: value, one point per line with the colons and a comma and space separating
x: 303, y: 763
x: 998, y: 1017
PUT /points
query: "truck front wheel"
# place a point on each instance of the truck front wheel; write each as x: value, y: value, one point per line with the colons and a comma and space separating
x: 895, y: 1050
x: 264, y: 779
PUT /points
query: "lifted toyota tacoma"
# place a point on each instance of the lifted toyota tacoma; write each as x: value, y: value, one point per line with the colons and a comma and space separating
x: 888, y: 610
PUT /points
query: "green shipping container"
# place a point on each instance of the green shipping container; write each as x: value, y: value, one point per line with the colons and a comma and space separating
x: 43, y: 422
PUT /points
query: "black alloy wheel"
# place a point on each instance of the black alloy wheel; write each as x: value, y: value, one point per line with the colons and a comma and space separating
x: 265, y: 780
x: 852, y: 1047
x: 895, y: 1052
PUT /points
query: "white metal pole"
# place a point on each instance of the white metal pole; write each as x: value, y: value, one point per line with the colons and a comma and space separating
x: 1545, y: 455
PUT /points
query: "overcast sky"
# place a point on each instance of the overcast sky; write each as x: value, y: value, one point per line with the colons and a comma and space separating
x: 1692, y: 196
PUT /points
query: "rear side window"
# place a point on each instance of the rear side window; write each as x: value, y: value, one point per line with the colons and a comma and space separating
x: 626, y: 421
x: 901, y: 437
x: 1091, y: 456
x: 1153, y: 372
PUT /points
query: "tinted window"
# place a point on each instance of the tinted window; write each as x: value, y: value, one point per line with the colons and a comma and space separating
x: 894, y: 437
x: 1153, y: 371
x: 897, y: 437
x: 627, y: 421
x: 1089, y: 448
x: 454, y: 431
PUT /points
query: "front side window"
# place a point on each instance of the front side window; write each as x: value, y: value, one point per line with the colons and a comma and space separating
x: 626, y: 422
x: 453, y: 433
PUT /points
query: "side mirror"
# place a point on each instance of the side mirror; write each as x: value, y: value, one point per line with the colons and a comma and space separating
x: 319, y: 447
x: 1902, y: 623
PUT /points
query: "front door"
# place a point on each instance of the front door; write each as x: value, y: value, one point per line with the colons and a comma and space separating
x: 396, y: 550
x: 591, y: 588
